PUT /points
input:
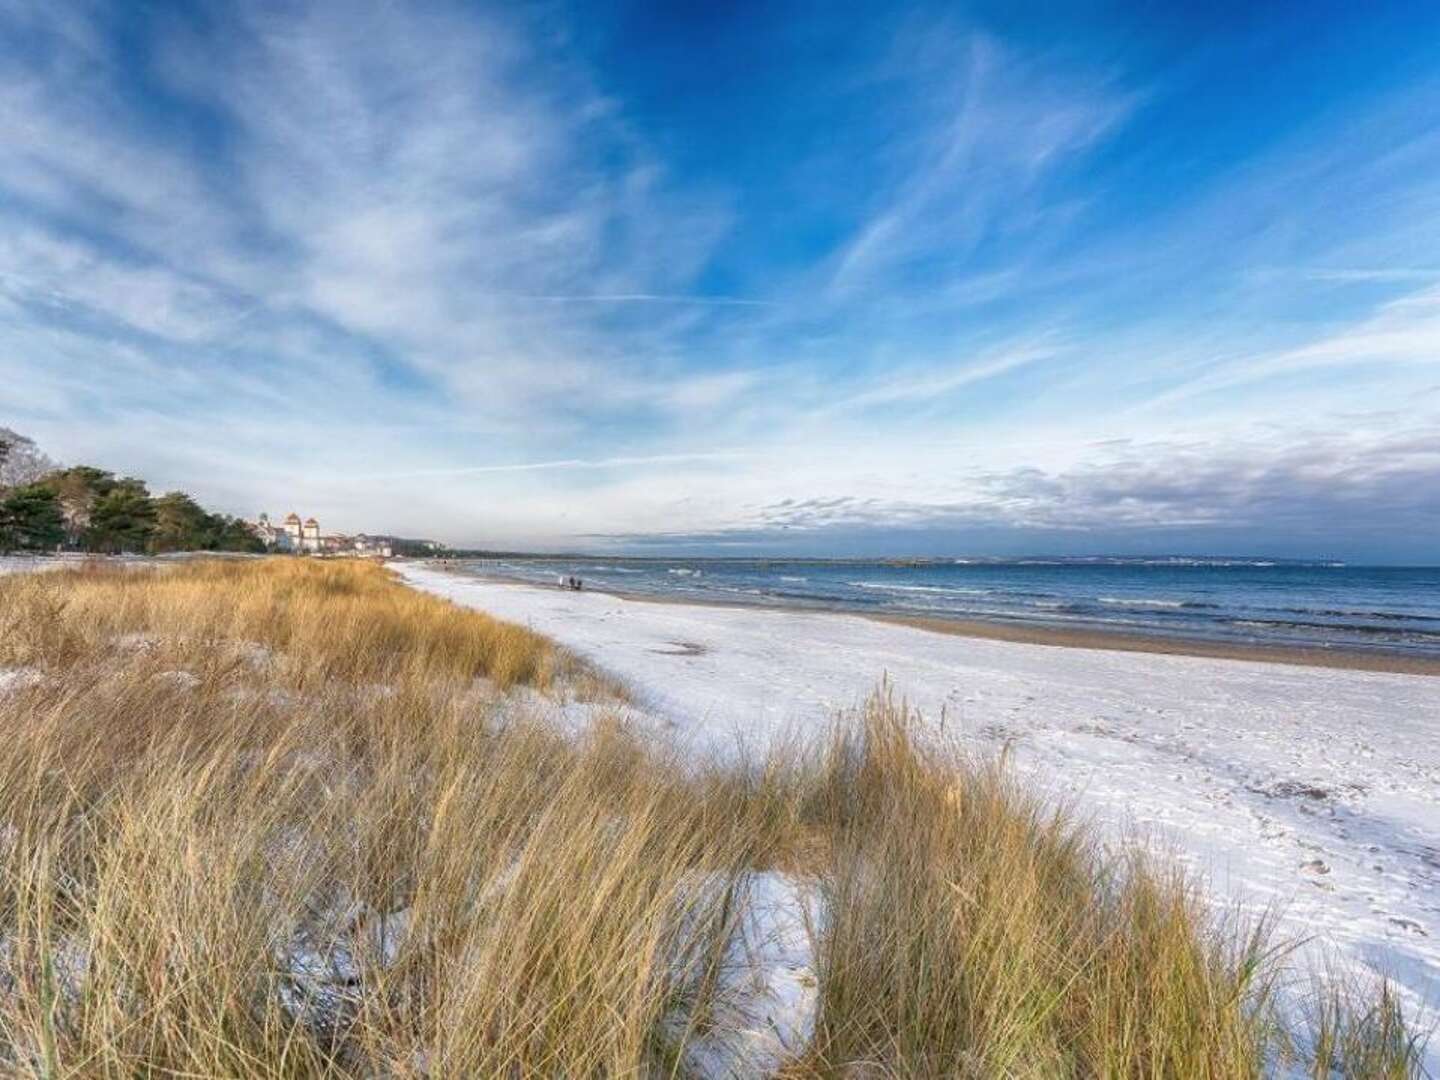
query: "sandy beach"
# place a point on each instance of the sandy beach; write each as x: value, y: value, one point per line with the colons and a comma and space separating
x: 1352, y: 618
x: 1341, y: 658
x: 1344, y: 658
x: 1311, y: 790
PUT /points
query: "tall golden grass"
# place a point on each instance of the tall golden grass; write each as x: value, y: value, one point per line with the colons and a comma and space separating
x: 281, y: 819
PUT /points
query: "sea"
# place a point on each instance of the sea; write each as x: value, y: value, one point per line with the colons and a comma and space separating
x: 1239, y: 600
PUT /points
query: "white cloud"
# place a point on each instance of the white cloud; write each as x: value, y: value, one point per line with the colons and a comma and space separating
x: 1005, y: 122
x: 1400, y: 333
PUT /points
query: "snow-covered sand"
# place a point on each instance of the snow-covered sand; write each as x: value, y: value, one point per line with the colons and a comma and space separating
x: 24, y: 564
x: 1316, y: 789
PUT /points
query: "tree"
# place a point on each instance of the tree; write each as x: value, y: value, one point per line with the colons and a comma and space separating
x: 30, y: 519
x: 122, y: 519
x: 21, y: 461
x: 233, y: 534
x: 98, y: 511
x: 181, y: 524
x: 78, y: 488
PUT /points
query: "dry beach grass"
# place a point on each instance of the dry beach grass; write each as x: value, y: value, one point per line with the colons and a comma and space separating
x: 289, y: 818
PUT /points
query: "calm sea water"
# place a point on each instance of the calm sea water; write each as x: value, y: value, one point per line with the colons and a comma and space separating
x: 1394, y: 609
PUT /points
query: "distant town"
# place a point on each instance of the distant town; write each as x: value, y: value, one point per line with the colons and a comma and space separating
x: 303, y: 537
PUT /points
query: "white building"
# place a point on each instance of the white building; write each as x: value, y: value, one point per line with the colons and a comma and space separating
x: 374, y: 546
x: 275, y: 537
x: 304, y: 537
x: 292, y: 534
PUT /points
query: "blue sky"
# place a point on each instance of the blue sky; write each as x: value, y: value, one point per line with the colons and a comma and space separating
x: 783, y: 277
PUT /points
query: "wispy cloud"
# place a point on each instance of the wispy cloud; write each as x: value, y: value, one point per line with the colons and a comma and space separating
x: 1398, y: 274
x: 569, y: 463
x: 1400, y: 333
x: 1003, y: 125
x: 647, y: 298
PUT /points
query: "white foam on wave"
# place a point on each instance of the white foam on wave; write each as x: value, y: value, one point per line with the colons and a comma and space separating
x: 886, y: 586
x: 1138, y: 602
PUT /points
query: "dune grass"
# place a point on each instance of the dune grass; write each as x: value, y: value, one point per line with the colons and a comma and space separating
x: 283, y: 818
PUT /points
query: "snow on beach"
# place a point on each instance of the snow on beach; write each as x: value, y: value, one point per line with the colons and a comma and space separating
x: 24, y: 564
x: 1315, y: 789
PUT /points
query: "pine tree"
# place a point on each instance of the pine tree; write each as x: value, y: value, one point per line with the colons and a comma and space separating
x: 30, y: 519
x: 43, y: 506
x: 233, y: 534
x: 181, y: 524
x: 122, y: 519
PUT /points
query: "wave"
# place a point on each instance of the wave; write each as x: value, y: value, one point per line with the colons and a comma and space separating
x: 1357, y: 613
x: 1156, y: 602
x: 943, y: 590
x: 1176, y: 560
x: 1390, y: 632
x: 1138, y: 602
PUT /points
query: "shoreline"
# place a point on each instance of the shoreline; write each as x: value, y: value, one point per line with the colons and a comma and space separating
x: 1118, y: 641
x: 1340, y: 658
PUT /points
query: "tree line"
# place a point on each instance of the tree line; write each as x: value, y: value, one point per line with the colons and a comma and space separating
x: 45, y: 507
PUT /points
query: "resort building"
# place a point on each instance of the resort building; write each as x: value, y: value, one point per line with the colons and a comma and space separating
x: 292, y: 535
x: 372, y: 545
x: 277, y: 537
x: 304, y: 537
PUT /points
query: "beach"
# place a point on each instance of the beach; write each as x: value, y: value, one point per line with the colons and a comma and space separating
x: 1347, y: 659
x: 1315, y: 613
x: 1113, y: 641
x: 1309, y: 791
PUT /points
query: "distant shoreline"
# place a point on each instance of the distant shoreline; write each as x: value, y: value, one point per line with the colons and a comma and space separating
x: 1340, y: 657
x: 1348, y: 659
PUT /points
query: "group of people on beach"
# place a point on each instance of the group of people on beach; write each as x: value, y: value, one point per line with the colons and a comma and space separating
x: 570, y: 582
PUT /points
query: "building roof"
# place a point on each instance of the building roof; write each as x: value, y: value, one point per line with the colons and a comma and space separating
x: 292, y: 516
x: 312, y: 521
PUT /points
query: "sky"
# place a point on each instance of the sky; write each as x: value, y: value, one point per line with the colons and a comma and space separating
x: 779, y: 278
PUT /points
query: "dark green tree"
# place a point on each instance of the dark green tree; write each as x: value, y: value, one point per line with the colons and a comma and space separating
x: 233, y: 534
x: 101, y: 512
x: 181, y: 524
x: 122, y: 519
x: 30, y: 519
